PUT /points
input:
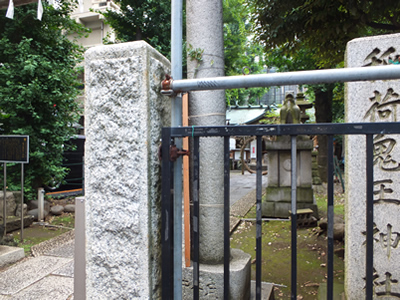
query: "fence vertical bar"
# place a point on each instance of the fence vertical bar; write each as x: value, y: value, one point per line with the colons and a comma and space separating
x: 83, y: 175
x: 294, y: 215
x: 4, y: 198
x: 22, y: 203
x: 227, y: 246
x: 330, y: 218
x: 196, y: 217
x: 167, y: 218
x: 369, y: 217
x: 258, y: 217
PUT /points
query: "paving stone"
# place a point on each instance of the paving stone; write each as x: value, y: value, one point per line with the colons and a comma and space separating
x: 242, y: 185
x: 49, y: 288
x: 67, y: 270
x: 27, y: 272
x: 65, y: 250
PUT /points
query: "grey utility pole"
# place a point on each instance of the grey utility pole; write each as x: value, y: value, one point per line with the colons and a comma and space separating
x: 205, y: 45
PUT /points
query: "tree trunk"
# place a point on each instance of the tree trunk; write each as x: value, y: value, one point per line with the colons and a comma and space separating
x: 138, y: 35
x: 323, y: 114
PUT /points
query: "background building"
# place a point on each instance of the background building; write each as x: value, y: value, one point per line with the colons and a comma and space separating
x: 88, y: 15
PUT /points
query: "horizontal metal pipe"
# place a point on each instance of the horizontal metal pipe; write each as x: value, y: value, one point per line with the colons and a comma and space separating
x: 287, y: 78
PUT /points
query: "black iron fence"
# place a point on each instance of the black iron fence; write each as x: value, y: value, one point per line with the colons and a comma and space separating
x: 170, y: 134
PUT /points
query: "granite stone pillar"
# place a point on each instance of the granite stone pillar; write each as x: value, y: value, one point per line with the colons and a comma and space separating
x: 374, y: 101
x: 124, y: 114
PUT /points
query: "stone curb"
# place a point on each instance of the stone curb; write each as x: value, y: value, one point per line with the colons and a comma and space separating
x: 9, y: 255
x: 241, y: 208
x: 42, y: 248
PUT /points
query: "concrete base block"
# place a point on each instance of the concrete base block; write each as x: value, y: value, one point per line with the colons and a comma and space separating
x: 212, y: 279
x: 281, y: 209
x: 284, y: 194
x: 277, y: 201
x: 9, y: 255
x: 267, y: 290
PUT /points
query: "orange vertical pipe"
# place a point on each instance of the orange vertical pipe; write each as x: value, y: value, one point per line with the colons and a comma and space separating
x: 186, y: 199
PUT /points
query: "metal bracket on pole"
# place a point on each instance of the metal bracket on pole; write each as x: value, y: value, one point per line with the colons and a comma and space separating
x: 166, y: 86
x: 174, y: 153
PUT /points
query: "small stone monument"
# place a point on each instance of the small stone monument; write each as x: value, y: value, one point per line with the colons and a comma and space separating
x: 11, y: 203
x: 278, y: 197
x: 373, y: 101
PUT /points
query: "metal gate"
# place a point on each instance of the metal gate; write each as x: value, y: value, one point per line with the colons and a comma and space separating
x: 171, y: 135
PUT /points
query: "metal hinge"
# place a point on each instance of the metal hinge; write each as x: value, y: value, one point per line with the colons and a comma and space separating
x: 174, y: 153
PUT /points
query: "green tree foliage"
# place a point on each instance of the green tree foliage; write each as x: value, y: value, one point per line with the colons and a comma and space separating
x: 242, y: 53
x: 38, y: 87
x: 146, y: 20
x: 321, y: 94
x: 150, y: 20
x: 323, y: 26
x: 322, y: 29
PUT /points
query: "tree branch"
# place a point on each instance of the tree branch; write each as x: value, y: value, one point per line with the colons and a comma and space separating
x: 383, y: 26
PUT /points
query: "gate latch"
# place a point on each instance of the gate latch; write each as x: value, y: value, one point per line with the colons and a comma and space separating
x: 174, y: 153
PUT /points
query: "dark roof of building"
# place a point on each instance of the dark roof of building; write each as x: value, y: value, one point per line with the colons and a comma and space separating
x: 241, y: 115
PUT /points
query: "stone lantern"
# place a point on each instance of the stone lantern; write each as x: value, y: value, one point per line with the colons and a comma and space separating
x: 303, y: 104
x: 277, y: 202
